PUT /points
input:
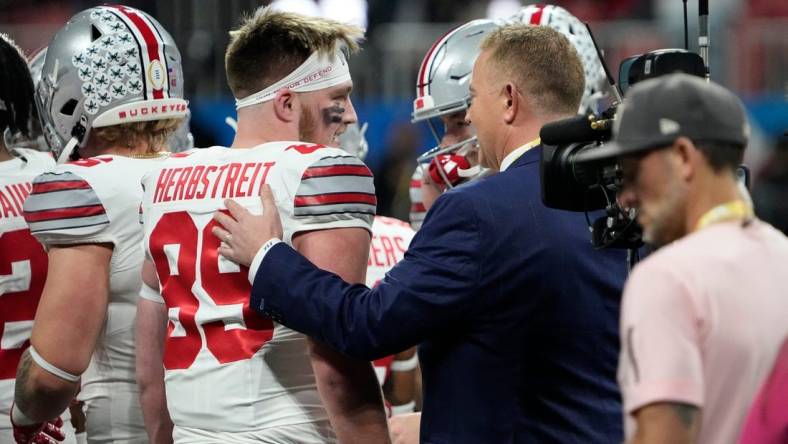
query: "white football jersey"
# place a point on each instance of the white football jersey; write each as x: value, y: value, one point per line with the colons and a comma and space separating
x: 23, y: 268
x: 97, y: 200
x: 228, y: 369
x: 390, y: 239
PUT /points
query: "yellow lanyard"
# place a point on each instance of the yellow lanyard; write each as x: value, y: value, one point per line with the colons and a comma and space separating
x: 526, y: 147
x: 737, y: 209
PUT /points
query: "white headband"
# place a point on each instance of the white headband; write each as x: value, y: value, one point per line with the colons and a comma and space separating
x: 319, y: 71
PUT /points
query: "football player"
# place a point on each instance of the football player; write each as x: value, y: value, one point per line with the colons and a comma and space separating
x: 442, y: 92
x: 23, y: 261
x: 442, y: 98
x: 231, y: 375
x: 21, y: 160
x: 109, y: 97
x: 397, y: 374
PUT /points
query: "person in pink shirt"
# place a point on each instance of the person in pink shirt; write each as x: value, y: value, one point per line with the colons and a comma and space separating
x: 704, y: 317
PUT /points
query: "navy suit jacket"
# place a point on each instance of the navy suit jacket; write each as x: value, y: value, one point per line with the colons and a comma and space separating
x: 515, y: 313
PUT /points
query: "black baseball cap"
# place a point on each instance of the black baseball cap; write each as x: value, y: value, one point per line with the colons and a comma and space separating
x: 658, y: 111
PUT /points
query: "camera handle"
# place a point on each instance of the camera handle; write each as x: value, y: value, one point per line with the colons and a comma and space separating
x: 703, y: 32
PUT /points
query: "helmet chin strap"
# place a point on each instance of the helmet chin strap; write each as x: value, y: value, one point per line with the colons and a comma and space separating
x: 77, y: 134
x: 469, y: 172
x: 67, y: 150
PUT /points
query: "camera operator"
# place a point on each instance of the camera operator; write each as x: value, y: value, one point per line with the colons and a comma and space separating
x: 703, y: 317
x: 516, y: 314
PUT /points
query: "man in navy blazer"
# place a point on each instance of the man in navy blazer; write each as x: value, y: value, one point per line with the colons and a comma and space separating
x: 515, y: 313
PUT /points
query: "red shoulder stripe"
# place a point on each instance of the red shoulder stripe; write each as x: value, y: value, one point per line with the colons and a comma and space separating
x: 60, y: 185
x: 335, y: 198
x: 64, y: 213
x: 336, y: 170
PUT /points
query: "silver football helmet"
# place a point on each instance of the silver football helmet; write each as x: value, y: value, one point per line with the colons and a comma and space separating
x: 353, y: 140
x: 442, y: 82
x: 573, y: 29
x: 442, y: 89
x: 107, y: 66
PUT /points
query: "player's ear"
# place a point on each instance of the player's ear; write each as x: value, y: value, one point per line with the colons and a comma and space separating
x: 286, y: 105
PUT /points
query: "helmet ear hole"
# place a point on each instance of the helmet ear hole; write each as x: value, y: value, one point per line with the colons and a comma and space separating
x: 68, y: 107
x: 95, y: 34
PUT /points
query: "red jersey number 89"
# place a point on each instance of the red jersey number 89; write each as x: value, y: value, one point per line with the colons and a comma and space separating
x: 232, y: 331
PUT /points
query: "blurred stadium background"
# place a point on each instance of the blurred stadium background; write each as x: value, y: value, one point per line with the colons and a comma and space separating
x: 749, y: 55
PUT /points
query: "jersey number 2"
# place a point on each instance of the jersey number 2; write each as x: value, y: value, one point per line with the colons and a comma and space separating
x: 23, y: 269
x: 232, y: 331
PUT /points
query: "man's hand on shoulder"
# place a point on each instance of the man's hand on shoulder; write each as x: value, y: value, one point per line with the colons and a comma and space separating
x: 243, y: 233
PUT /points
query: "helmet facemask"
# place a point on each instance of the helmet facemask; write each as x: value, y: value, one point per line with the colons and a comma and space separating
x: 453, y: 164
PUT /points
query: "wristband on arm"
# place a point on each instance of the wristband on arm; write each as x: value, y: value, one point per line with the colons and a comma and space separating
x: 409, y: 407
x: 405, y: 365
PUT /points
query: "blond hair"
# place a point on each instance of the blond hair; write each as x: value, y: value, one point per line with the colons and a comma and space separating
x: 541, y: 62
x: 271, y: 44
x: 153, y: 134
